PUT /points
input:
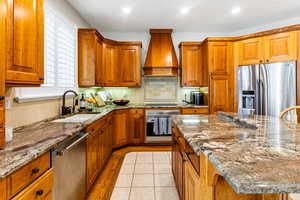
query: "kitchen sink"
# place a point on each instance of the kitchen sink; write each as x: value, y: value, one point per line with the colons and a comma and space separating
x: 77, y: 118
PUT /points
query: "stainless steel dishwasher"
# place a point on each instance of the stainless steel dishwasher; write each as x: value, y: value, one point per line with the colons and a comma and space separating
x: 69, y: 164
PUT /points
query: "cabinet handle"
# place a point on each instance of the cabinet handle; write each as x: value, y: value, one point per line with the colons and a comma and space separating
x: 41, y: 79
x: 268, y: 60
x: 35, y: 171
x: 260, y: 61
x: 39, y: 192
x: 2, y: 98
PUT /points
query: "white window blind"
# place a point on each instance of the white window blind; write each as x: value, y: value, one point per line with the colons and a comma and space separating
x: 60, y: 59
x: 60, y: 52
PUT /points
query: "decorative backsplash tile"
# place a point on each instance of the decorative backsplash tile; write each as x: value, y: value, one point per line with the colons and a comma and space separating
x: 161, y: 89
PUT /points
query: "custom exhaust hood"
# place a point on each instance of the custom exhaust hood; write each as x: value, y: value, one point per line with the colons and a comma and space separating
x: 161, y: 58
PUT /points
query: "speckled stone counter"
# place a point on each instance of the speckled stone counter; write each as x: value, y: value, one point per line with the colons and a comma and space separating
x: 32, y: 141
x: 255, y: 155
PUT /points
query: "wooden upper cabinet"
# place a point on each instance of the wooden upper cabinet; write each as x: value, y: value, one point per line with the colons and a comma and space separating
x: 120, y: 124
x: 219, y: 57
x: 110, y: 70
x: 99, y: 62
x: 281, y: 47
x: 273, y: 48
x: 191, y: 65
x: 87, y: 55
x: 250, y: 51
x: 130, y: 65
x: 25, y: 42
x: 220, y: 93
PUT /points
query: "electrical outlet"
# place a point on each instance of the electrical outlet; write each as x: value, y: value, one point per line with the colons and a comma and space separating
x: 7, y: 103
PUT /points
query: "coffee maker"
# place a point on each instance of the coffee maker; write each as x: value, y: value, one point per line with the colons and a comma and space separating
x: 196, y: 98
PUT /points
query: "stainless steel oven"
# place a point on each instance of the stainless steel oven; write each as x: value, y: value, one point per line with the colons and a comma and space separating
x: 159, y: 125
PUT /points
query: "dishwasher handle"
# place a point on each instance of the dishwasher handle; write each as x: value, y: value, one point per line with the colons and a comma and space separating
x: 61, y: 151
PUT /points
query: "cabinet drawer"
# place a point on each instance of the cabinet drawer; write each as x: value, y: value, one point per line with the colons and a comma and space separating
x: 188, y: 111
x: 27, y: 174
x: 40, y: 189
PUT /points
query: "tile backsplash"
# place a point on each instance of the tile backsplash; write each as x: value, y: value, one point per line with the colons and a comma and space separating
x: 154, y: 89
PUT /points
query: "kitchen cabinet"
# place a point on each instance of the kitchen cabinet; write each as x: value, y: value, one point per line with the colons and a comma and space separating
x: 25, y: 42
x: 191, y: 65
x: 250, y: 51
x: 99, y: 60
x: 178, y: 162
x: 220, y: 93
x: 136, y: 126
x: 107, y: 140
x: 272, y: 48
x: 87, y: 57
x: 3, y: 56
x: 99, y: 148
x: 219, y: 60
x: 110, y: 70
x: 27, y: 174
x: 92, y: 158
x: 191, y: 183
x: 120, y: 125
x: 130, y: 65
x: 41, y: 189
x: 3, y: 189
x: 281, y: 47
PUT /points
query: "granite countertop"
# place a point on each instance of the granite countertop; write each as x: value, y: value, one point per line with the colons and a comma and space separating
x: 257, y: 154
x: 31, y: 141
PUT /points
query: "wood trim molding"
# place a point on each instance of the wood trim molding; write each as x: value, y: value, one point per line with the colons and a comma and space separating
x: 248, y: 36
x: 189, y: 44
x: 169, y: 31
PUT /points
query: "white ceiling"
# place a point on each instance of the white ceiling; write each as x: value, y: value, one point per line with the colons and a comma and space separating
x: 213, y: 16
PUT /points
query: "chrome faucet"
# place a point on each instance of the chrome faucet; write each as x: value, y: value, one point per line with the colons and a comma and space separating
x: 69, y: 109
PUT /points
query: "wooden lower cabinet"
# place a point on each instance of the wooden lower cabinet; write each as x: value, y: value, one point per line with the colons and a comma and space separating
x: 107, y: 141
x: 3, y: 189
x: 120, y: 128
x: 136, y: 126
x: 191, y: 183
x: 41, y: 189
x: 92, y: 154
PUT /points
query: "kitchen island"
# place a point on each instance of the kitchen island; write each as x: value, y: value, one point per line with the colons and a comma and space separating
x: 226, y: 156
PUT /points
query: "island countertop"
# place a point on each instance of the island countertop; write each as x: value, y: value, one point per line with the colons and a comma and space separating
x: 258, y: 154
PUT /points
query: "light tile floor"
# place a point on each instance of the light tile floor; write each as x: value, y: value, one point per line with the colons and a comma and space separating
x: 146, y: 176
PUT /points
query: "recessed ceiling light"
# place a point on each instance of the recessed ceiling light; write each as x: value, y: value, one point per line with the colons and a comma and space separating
x: 126, y: 10
x: 236, y: 10
x: 185, y: 10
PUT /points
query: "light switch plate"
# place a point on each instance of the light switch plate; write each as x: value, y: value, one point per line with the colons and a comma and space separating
x: 7, y: 103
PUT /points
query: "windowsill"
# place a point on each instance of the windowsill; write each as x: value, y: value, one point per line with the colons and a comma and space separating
x: 39, y: 98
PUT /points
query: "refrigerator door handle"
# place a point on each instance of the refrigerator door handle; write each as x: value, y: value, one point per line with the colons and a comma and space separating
x: 257, y: 98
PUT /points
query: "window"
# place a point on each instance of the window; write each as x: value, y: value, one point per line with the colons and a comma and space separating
x: 60, y: 58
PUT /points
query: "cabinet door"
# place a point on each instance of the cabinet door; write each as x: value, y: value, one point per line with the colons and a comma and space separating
x: 120, y: 126
x: 101, y: 149
x: 220, y: 57
x: 191, y: 183
x: 219, y: 93
x: 130, y: 65
x: 107, y: 142
x: 137, y: 126
x: 99, y: 62
x: 250, y: 51
x: 25, y: 29
x: 191, y: 66
x: 3, y: 189
x: 92, y: 158
x: 180, y: 174
x: 110, y: 65
x: 281, y: 47
x: 86, y: 58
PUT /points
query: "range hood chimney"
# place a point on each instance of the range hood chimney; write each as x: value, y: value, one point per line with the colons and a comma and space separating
x: 161, y: 58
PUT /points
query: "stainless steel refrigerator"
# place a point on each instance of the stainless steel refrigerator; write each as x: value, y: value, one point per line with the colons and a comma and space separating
x: 266, y: 89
